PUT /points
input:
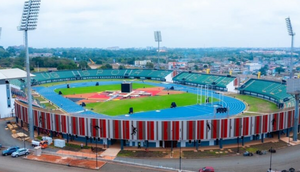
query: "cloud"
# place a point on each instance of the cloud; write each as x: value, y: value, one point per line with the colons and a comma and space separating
x: 130, y: 23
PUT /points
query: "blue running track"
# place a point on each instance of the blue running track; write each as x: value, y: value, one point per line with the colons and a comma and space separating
x: 179, y: 113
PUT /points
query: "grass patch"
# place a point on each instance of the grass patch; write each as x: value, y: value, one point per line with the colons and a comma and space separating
x: 144, y: 104
x: 49, y: 106
x: 93, y: 89
x: 74, y: 147
x: 256, y: 104
x: 266, y: 146
x: 39, y: 137
x: 199, y: 154
x: 40, y: 99
x: 140, y: 154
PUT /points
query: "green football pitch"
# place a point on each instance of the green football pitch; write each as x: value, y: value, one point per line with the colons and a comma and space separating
x: 94, y: 89
x: 121, y: 107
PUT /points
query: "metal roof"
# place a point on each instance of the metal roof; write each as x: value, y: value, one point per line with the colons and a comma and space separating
x: 6, y: 74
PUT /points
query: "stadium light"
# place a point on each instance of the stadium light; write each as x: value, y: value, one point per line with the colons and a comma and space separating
x: 157, y: 38
x: 292, y: 34
x: 29, y: 22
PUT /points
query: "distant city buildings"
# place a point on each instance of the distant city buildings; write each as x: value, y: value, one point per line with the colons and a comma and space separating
x: 113, y: 48
x: 41, y: 55
x: 141, y: 62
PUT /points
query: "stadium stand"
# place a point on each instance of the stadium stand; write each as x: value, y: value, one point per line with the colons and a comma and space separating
x: 270, y: 90
x: 217, y: 82
x: 17, y: 82
x: 47, y: 77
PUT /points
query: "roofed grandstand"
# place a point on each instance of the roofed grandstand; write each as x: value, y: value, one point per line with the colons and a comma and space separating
x: 44, y: 77
x: 270, y: 90
x: 217, y: 82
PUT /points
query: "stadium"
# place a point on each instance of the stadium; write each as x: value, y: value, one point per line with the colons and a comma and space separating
x: 160, y: 110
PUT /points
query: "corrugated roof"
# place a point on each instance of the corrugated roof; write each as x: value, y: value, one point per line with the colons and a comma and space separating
x: 13, y: 74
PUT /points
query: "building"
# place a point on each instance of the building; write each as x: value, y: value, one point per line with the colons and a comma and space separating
x: 7, y: 100
x: 177, y: 65
x: 141, y: 62
x: 41, y: 55
x: 252, y: 66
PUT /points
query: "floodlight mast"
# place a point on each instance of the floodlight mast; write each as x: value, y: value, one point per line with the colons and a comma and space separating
x: 292, y: 34
x: 157, y: 38
x: 29, y: 22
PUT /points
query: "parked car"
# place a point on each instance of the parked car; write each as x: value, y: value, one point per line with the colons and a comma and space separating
x: 292, y: 169
x: 207, y: 169
x: 10, y: 150
x: 20, y: 152
x: 272, y: 150
x: 248, y: 153
x: 259, y: 152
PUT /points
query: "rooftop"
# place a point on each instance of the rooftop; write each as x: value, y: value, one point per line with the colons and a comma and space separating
x: 12, y: 74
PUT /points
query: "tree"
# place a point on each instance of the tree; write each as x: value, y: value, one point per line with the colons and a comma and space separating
x: 264, y: 70
x: 18, y: 66
x: 196, y: 67
x: 122, y: 67
x: 149, y: 65
x: 106, y: 66
x: 83, y: 65
x: 279, y: 70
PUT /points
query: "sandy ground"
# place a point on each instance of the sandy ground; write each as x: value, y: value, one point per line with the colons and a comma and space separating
x: 84, y: 163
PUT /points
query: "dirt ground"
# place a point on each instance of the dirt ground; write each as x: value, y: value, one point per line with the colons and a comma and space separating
x: 84, y: 163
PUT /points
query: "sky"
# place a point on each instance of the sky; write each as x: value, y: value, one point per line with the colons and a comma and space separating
x: 131, y: 23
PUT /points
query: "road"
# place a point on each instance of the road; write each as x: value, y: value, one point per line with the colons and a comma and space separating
x: 283, y: 159
x: 8, y: 164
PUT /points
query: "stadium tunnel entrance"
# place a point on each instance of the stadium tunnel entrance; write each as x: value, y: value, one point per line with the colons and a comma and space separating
x: 170, y: 144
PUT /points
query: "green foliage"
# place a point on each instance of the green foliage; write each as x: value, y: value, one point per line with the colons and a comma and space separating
x: 149, y: 65
x: 18, y: 66
x: 196, y: 67
x: 83, y: 65
x: 74, y: 147
x: 39, y: 137
x: 263, y: 70
x: 106, y: 66
x: 279, y: 70
x: 122, y: 67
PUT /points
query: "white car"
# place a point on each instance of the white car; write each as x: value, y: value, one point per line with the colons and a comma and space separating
x: 20, y: 152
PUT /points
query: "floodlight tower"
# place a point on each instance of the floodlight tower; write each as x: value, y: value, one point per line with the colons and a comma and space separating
x: 157, y: 38
x: 292, y: 34
x: 29, y: 22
